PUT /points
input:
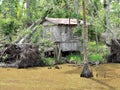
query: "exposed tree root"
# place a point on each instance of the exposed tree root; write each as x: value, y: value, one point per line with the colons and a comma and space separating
x: 20, y: 56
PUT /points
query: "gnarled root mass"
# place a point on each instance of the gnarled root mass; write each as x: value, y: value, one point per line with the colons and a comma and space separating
x: 115, y: 51
x: 20, y: 56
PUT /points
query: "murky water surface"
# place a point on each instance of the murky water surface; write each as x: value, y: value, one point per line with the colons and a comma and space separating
x: 106, y: 77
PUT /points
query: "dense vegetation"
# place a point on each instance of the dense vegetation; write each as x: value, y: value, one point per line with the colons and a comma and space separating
x: 16, y: 16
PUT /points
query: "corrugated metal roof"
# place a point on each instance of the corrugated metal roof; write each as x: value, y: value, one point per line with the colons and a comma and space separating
x: 64, y: 21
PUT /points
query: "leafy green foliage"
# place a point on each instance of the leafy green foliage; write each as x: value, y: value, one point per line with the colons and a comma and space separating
x: 9, y: 27
x: 97, y: 52
x: 77, y: 32
x: 37, y: 36
x: 115, y: 15
x: 95, y: 57
x: 63, y: 9
x: 49, y: 61
x: 74, y: 57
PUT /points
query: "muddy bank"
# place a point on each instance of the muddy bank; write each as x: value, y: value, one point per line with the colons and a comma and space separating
x: 66, y: 78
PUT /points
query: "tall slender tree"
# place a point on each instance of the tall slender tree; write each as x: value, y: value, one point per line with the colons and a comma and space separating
x: 86, y: 71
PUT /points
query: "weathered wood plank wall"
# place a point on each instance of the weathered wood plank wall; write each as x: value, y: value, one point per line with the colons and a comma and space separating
x: 62, y: 34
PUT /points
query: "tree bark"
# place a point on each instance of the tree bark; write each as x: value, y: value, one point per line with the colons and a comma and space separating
x: 86, y: 71
x: 27, y: 36
x: 85, y: 34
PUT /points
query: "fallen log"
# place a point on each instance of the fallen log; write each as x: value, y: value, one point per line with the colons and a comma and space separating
x: 27, y: 36
x: 32, y: 29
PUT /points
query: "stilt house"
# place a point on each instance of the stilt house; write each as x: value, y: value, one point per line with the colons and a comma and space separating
x: 60, y: 31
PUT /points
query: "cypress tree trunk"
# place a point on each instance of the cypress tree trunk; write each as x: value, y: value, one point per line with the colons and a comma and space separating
x: 86, y: 71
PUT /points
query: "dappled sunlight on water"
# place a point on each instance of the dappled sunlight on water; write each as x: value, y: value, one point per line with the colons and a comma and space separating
x: 106, y: 77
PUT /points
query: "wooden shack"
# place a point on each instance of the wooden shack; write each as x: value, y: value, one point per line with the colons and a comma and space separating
x: 60, y: 31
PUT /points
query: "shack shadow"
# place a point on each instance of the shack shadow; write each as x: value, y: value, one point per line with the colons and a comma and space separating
x: 104, y: 84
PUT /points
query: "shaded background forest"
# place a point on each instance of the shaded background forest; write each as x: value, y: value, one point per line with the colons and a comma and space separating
x: 17, y: 16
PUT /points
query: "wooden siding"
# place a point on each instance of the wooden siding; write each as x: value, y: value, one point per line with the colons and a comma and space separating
x: 70, y: 46
x: 52, y: 33
x: 67, y: 33
x: 62, y: 34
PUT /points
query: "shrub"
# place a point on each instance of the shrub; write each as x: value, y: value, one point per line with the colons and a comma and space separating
x: 97, y: 52
x: 9, y: 27
x: 95, y: 57
x: 74, y: 57
x: 49, y: 61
